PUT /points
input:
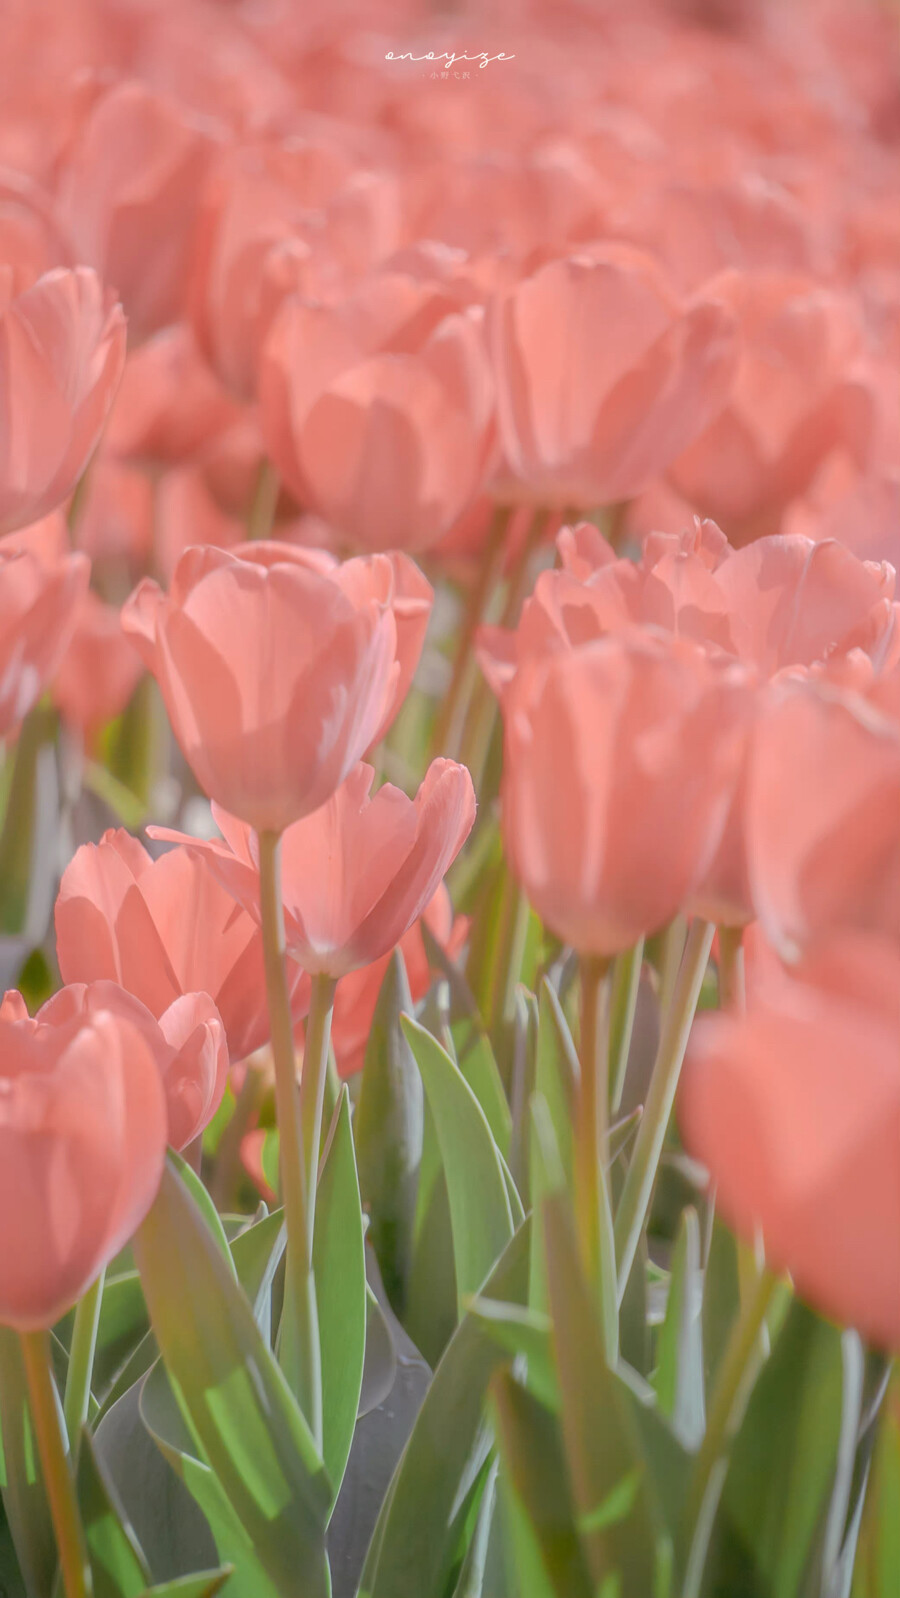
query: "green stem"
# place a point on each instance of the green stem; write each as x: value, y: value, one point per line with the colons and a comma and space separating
x: 312, y: 1086
x: 732, y: 986
x: 741, y: 1358
x: 510, y: 950
x: 592, y: 1206
x: 634, y: 1204
x: 81, y: 1359
x: 625, y: 983
x: 299, y: 1352
x: 60, y: 1487
x: 450, y: 720
x: 673, y: 941
x: 228, y: 1155
x: 261, y: 515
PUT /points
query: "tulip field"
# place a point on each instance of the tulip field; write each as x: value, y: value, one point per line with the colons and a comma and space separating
x: 449, y: 799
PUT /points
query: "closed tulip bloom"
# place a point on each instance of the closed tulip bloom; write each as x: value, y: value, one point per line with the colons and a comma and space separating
x: 798, y: 395
x: 128, y: 196
x: 188, y: 1043
x: 604, y: 376
x: 99, y: 671
x: 162, y: 929
x: 388, y: 445
x: 794, y: 1109
x: 41, y: 590
x: 275, y: 679
x: 620, y: 762
x: 357, y: 873
x: 62, y: 349
x: 169, y: 406
x: 822, y: 809
x: 83, y: 1131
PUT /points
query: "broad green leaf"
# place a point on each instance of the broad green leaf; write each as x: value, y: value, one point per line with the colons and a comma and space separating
x: 418, y: 1534
x: 205, y: 1205
x: 204, y: 1585
x: 603, y: 1444
x: 525, y: 1332
x: 533, y: 1460
x: 388, y: 1128
x: 527, y: 1574
x: 475, y: 1571
x: 232, y: 1392
x: 480, y: 1208
x: 721, y: 1298
x: 165, y: 1423
x: 12, y: 1584
x: 782, y: 1463
x: 123, y: 1324
x: 257, y: 1253
x: 24, y: 1498
x: 474, y: 1054
x: 117, y: 1563
x: 380, y: 1364
x: 136, y: 1365
x: 430, y: 1313
x: 679, y: 1372
x: 878, y: 1550
x: 340, y: 1270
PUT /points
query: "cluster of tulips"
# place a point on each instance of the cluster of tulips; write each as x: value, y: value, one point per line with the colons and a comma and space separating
x: 449, y: 523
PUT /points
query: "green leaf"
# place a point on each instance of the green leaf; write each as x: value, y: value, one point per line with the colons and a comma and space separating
x: 205, y: 1205
x: 525, y: 1332
x: 603, y: 1444
x: 232, y: 1392
x: 380, y: 1364
x: 480, y: 1209
x: 418, y: 1534
x: 388, y: 1128
x: 534, y: 1462
x: 340, y: 1270
x: 430, y: 1312
x: 878, y: 1550
x: 204, y: 1585
x: 24, y: 1498
x: 257, y: 1253
x: 679, y: 1373
x: 721, y: 1299
x: 117, y: 1563
x: 557, y: 1071
x: 782, y: 1463
x: 474, y: 1054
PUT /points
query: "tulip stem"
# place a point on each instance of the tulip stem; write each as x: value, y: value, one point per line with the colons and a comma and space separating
x: 732, y: 987
x: 261, y: 515
x: 58, y: 1481
x: 81, y: 1359
x: 299, y: 1350
x: 450, y: 720
x: 623, y: 1005
x: 312, y: 1086
x: 637, y: 1192
x: 592, y: 1203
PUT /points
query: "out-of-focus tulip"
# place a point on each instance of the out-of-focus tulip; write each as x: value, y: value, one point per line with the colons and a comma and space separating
x: 169, y: 405
x: 128, y: 197
x: 388, y: 444
x: 357, y: 993
x: 822, y: 810
x: 42, y: 587
x: 62, y: 348
x: 798, y: 394
x: 604, y: 376
x: 358, y: 872
x: 188, y: 1043
x: 794, y: 1109
x: 162, y: 929
x: 83, y: 1131
x: 100, y: 669
x: 275, y: 678
x: 31, y: 241
x: 115, y: 515
x: 620, y: 763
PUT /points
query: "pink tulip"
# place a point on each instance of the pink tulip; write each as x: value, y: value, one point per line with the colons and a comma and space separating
x: 41, y: 590
x: 83, y: 1129
x: 275, y: 679
x: 62, y: 348
x: 358, y: 872
x: 621, y: 758
x: 162, y: 929
x: 169, y: 407
x: 794, y: 1109
x: 99, y: 671
x: 603, y: 376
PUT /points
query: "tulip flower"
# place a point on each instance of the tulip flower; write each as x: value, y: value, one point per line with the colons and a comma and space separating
x: 188, y: 1044
x: 603, y: 376
x: 162, y: 929
x: 620, y: 762
x: 388, y: 444
x: 83, y: 1131
x: 169, y: 406
x: 276, y: 679
x: 42, y: 588
x: 793, y: 1108
x: 99, y: 671
x: 358, y: 872
x: 822, y: 811
x: 62, y: 348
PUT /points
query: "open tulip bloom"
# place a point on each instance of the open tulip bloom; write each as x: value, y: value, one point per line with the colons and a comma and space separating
x: 450, y: 800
